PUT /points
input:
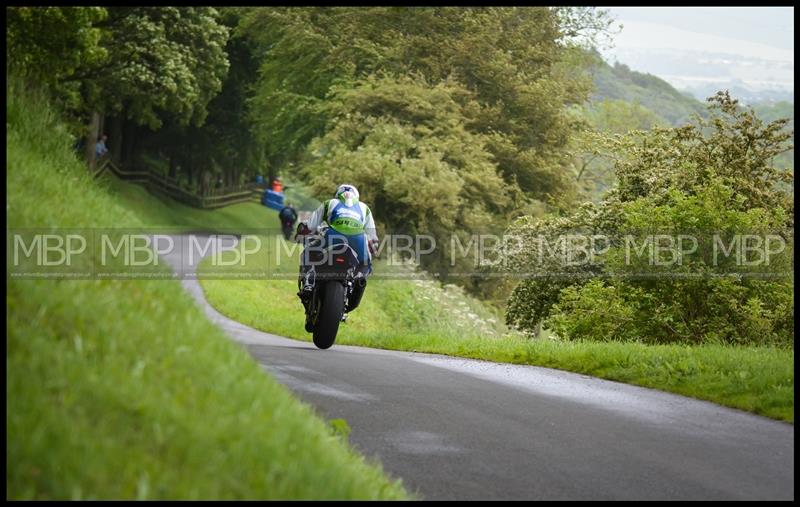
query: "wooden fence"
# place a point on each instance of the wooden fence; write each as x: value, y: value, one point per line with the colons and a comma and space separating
x: 155, y: 183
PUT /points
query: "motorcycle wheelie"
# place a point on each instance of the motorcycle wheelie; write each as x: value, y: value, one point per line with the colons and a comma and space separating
x: 339, y: 241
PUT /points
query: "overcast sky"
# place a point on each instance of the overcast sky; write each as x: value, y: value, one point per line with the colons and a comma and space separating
x: 762, y: 27
x: 683, y: 45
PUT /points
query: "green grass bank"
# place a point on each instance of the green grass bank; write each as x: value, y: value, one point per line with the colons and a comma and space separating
x: 122, y: 389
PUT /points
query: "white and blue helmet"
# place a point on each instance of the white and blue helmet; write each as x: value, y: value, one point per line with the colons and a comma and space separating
x: 347, y: 194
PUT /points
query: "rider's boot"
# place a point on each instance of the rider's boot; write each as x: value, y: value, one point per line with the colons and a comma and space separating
x: 307, y: 286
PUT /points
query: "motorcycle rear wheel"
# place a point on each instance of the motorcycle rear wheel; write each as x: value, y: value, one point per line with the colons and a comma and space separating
x: 330, y: 315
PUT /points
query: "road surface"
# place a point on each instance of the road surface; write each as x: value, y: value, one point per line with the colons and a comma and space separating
x: 464, y: 429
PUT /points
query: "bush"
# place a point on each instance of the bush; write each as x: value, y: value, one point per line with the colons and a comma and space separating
x: 709, y: 182
x: 595, y: 311
x: 716, y: 311
x: 541, y: 255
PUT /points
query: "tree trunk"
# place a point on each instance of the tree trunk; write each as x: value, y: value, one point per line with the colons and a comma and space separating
x: 91, y: 139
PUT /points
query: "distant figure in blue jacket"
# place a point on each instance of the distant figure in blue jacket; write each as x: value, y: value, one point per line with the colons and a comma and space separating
x: 100, y: 149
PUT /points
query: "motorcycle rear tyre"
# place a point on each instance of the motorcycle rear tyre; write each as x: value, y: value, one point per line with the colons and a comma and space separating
x: 330, y: 315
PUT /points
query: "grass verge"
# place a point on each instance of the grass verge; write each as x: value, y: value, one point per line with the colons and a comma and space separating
x: 159, y: 211
x: 120, y: 389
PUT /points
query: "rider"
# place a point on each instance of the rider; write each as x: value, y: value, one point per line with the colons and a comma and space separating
x: 349, y: 221
x: 288, y: 214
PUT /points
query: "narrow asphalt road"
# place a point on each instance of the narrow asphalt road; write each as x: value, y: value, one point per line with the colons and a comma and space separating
x: 463, y: 429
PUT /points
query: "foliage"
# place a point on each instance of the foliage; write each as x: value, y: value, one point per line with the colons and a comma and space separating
x: 405, y: 145
x: 224, y: 145
x: 161, y: 60
x: 670, y: 304
x: 596, y: 120
x: 504, y: 75
x: 586, y: 27
x: 539, y: 258
x: 771, y: 111
x: 146, y: 61
x: 596, y: 311
x: 512, y: 60
x: 755, y: 313
x: 715, y: 177
x: 49, y: 44
x: 450, y: 120
x: 734, y: 145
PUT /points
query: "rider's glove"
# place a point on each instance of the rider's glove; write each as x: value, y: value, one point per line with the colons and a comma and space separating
x: 302, y: 230
x: 373, y: 246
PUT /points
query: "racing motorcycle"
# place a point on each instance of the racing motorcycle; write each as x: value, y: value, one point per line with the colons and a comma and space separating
x: 338, y: 281
x: 287, y: 226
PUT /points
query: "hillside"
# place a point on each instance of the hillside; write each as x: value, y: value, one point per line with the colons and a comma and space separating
x: 619, y: 82
x: 650, y: 94
x: 771, y: 111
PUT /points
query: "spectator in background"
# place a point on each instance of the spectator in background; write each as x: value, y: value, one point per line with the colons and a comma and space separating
x: 277, y: 186
x: 100, y: 149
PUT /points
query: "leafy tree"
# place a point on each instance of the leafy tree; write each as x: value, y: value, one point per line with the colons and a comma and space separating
x: 503, y: 76
x: 223, y: 146
x: 734, y: 144
x: 404, y: 143
x: 50, y: 43
x: 514, y: 60
x: 703, y: 298
x: 769, y: 112
x: 715, y: 176
x: 161, y: 60
x: 597, y: 120
x: 139, y: 63
x: 550, y: 262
